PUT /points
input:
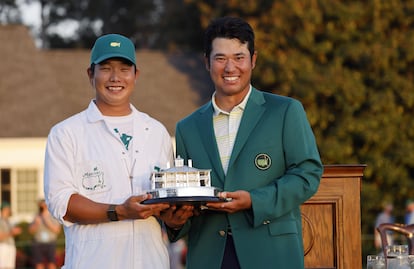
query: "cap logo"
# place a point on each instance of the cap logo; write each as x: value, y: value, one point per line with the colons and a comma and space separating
x: 115, y: 44
x: 262, y: 161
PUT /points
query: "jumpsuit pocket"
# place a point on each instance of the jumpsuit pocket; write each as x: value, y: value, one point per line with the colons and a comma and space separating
x: 91, y: 180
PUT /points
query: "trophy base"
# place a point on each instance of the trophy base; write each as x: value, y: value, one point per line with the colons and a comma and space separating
x: 184, y: 195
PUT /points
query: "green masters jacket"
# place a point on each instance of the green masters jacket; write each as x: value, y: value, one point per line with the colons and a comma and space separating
x: 276, y: 159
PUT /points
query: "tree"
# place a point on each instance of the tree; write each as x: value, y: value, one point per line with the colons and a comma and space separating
x: 9, y: 12
x: 180, y: 27
x: 135, y: 19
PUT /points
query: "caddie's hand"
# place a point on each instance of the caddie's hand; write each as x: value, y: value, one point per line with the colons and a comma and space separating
x: 176, y: 216
x: 133, y: 208
x: 234, y: 202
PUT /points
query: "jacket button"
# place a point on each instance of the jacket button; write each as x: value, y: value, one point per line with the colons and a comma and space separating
x: 266, y: 222
x: 222, y: 233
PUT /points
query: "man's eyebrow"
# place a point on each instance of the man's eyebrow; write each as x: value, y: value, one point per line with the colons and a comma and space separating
x: 234, y: 54
x: 218, y: 54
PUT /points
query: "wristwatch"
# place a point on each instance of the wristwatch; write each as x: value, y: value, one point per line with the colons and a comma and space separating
x: 111, y: 213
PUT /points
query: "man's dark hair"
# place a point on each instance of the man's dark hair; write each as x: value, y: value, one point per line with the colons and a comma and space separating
x: 229, y: 27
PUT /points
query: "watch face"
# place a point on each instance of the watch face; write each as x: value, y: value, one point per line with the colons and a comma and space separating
x: 111, y: 213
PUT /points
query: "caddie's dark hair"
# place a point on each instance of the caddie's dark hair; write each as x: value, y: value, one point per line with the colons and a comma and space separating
x: 229, y: 27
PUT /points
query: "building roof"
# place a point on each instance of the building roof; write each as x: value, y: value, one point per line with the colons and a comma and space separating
x: 42, y: 87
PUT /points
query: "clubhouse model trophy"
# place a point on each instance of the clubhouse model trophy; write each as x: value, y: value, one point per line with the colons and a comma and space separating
x: 182, y: 184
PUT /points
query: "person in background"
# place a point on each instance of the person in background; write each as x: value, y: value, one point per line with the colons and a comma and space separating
x: 176, y: 251
x: 7, y: 234
x: 263, y: 155
x: 385, y: 216
x: 45, y: 229
x: 409, y: 216
x: 97, y: 169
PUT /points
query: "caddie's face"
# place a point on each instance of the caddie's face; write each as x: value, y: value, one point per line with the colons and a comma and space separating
x: 230, y: 66
x: 114, y: 81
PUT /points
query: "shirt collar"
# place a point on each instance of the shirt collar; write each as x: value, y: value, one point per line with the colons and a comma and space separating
x: 242, y: 104
x: 94, y: 114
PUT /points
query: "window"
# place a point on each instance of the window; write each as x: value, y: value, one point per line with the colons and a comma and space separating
x: 26, y: 190
x: 5, y: 185
x: 19, y: 187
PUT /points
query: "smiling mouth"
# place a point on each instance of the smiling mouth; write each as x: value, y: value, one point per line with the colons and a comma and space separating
x: 115, y: 88
x: 230, y: 78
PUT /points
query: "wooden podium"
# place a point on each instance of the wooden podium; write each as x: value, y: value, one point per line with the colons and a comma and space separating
x: 331, y: 220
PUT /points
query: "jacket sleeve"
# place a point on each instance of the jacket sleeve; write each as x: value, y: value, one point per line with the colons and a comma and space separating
x: 303, y: 170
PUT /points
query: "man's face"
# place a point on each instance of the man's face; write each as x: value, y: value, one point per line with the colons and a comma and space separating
x: 230, y: 67
x: 114, y: 82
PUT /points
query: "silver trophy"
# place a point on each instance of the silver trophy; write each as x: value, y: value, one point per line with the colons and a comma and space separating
x: 182, y: 184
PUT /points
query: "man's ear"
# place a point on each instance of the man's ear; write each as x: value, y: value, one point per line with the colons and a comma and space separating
x: 207, y: 62
x: 137, y: 73
x: 90, y: 75
x: 254, y: 58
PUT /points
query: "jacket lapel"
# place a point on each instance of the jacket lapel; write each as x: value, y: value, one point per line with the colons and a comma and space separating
x: 206, y: 130
x: 251, y: 115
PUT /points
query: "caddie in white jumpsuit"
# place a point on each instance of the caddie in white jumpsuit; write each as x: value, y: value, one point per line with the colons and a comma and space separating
x: 98, y: 166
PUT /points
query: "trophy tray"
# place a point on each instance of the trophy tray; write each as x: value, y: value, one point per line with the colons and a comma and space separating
x: 184, y: 195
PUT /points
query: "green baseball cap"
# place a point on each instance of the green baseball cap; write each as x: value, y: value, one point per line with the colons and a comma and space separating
x: 113, y: 46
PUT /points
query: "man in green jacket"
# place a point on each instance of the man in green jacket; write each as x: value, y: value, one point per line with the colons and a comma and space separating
x: 263, y: 155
